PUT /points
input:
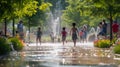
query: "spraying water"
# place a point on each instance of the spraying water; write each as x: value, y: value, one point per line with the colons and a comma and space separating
x: 92, y: 32
x: 54, y: 20
x: 12, y: 47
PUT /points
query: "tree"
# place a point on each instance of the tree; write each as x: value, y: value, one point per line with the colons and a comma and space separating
x: 18, y: 9
x: 89, y: 10
x: 79, y: 11
x: 109, y: 9
x: 54, y: 4
x: 71, y: 14
x: 13, y: 9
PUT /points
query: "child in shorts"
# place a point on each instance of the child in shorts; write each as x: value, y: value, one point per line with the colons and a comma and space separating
x: 38, y: 37
x: 64, y: 34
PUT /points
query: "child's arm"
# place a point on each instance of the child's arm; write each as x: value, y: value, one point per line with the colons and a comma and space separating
x: 66, y: 33
x: 41, y: 33
x: 61, y: 33
x: 70, y: 31
x: 77, y: 31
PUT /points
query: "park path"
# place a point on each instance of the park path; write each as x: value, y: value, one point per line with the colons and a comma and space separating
x: 56, y: 53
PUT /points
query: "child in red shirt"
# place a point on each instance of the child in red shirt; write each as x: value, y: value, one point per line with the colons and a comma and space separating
x: 81, y: 33
x: 64, y: 34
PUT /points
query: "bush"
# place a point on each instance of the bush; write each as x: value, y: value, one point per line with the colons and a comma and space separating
x: 102, y: 43
x: 4, y: 46
x: 117, y: 49
x: 17, y: 44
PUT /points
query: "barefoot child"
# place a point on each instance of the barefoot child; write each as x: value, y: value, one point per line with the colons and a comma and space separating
x: 38, y: 37
x: 64, y: 34
x: 74, y: 33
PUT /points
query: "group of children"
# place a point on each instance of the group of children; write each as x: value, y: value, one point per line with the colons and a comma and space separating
x: 73, y: 32
x: 102, y: 29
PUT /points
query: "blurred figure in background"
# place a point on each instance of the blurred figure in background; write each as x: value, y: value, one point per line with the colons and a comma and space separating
x: 115, y: 28
x: 20, y: 30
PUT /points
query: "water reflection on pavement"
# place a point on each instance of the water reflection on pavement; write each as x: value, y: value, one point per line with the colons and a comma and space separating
x: 59, y: 56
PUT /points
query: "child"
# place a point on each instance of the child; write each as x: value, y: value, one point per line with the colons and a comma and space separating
x: 39, y: 34
x: 64, y: 34
x: 74, y: 33
x: 85, y: 33
x: 81, y: 33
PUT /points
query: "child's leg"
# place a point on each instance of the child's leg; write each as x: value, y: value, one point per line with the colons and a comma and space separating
x: 74, y: 43
x: 63, y: 42
x: 36, y: 41
x: 40, y: 41
x: 80, y: 39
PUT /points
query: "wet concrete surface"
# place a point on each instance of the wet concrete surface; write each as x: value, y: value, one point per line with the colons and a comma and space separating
x: 57, y: 55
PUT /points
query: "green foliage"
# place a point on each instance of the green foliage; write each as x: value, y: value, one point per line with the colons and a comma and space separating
x: 117, y: 49
x: 4, y: 46
x: 5, y: 8
x: 38, y: 19
x: 55, y: 3
x: 29, y: 8
x: 102, y: 43
x: 71, y: 14
x: 89, y: 10
x: 44, y: 6
x: 79, y: 11
x: 114, y: 40
x: 20, y: 8
x: 105, y: 7
x: 17, y: 44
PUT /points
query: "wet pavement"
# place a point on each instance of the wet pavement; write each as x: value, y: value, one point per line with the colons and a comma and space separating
x: 57, y: 55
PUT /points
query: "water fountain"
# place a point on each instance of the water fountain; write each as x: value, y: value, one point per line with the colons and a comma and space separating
x: 13, y: 53
x: 12, y: 47
x: 55, y: 27
x: 54, y: 21
x: 92, y: 33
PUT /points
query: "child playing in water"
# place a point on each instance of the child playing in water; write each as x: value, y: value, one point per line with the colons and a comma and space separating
x: 38, y: 37
x: 64, y: 34
x: 74, y: 33
x: 85, y: 34
x: 81, y: 33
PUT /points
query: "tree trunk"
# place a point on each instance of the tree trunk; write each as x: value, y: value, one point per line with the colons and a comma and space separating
x: 111, y: 22
x: 5, y: 29
x: 13, y: 25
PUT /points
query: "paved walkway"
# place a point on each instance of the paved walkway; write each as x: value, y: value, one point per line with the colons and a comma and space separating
x: 88, y: 44
x: 83, y: 53
x: 57, y: 55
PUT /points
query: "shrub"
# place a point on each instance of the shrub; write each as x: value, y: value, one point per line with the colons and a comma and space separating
x: 102, y: 43
x: 4, y: 46
x: 117, y: 49
x: 17, y: 44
